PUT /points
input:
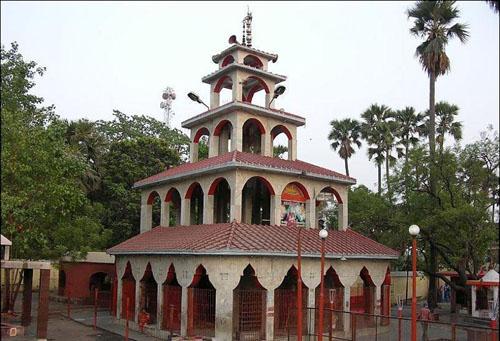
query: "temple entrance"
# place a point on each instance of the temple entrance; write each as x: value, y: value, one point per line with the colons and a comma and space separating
x: 201, y: 305
x: 172, y: 297
x: 222, y: 201
x: 195, y: 194
x: 149, y: 294
x: 333, y: 299
x: 285, y: 306
x: 128, y: 294
x: 173, y: 200
x: 256, y: 201
x: 249, y: 308
x: 362, y: 299
x: 252, y: 136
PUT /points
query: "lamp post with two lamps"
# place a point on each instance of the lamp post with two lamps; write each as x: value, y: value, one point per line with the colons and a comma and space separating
x: 323, y: 234
x: 414, y: 231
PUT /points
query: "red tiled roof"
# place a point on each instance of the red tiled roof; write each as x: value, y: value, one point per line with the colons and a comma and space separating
x: 239, y: 238
x: 240, y: 159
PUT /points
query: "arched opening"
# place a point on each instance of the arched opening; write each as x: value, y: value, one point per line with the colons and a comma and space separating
x: 329, y: 205
x: 61, y: 283
x: 224, y: 131
x: 173, y: 200
x: 128, y: 294
x: 149, y: 294
x: 222, y: 200
x: 227, y: 60
x: 256, y: 201
x: 201, y: 143
x: 333, y: 299
x: 195, y: 196
x: 282, y: 142
x: 293, y: 204
x: 154, y: 201
x: 201, y: 305
x: 249, y: 308
x: 223, y: 88
x: 385, y: 298
x: 252, y: 136
x: 362, y: 299
x: 253, y: 61
x: 252, y: 86
x: 285, y: 306
x: 102, y: 282
x: 172, y: 298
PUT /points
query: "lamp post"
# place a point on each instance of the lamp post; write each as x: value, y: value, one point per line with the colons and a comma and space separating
x: 299, y: 282
x: 414, y: 231
x: 323, y: 234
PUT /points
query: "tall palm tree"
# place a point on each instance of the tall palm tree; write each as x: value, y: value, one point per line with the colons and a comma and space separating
x: 433, y: 21
x: 375, y: 131
x: 343, y: 135
x: 409, y: 127
x: 446, y: 124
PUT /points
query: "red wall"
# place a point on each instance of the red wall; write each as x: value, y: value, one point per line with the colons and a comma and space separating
x: 78, y: 276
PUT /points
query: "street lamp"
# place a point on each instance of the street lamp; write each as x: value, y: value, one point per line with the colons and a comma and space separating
x: 323, y: 234
x: 195, y: 98
x: 278, y: 92
x: 293, y: 224
x: 414, y: 231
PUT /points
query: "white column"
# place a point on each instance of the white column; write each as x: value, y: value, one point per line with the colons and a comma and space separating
x: 146, y: 215
x: 378, y: 297
x: 193, y: 152
x: 235, y: 209
x: 275, y: 209
x: 185, y: 211
x: 165, y: 213
x: 237, y: 138
x: 213, y: 146
x: 311, y: 213
x: 159, y: 305
x: 264, y: 144
x: 224, y: 283
x: 184, y: 308
x: 293, y: 144
x: 237, y: 87
x: 118, y: 296
x: 311, y: 312
x: 208, y: 209
x: 270, y: 315
x: 137, y: 298
x: 347, y: 307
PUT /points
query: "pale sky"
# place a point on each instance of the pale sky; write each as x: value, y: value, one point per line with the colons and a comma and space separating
x: 339, y: 58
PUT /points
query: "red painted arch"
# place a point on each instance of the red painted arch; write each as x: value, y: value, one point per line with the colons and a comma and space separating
x: 258, y: 123
x: 220, y: 82
x: 227, y: 60
x: 365, y: 276
x: 281, y: 129
x: 256, y: 61
x: 170, y: 194
x: 387, y: 279
x: 152, y: 196
x: 220, y: 126
x: 202, y: 131
x: 213, y: 186
x: 301, y: 187
x: 191, y: 188
x: 334, y: 192
x: 261, y: 85
x: 265, y: 182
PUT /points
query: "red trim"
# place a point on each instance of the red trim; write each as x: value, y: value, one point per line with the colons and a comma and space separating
x: 170, y: 194
x: 251, y: 92
x: 257, y: 62
x: 305, y: 195
x: 220, y: 83
x: 214, y: 185
x: 280, y: 129
x: 479, y: 283
x: 151, y: 197
x: 191, y: 188
x: 221, y: 126
x: 334, y: 192
x: 387, y: 279
x: 365, y: 276
x: 227, y: 60
x: 267, y: 183
x: 257, y: 122
x: 202, y: 131
x: 261, y: 82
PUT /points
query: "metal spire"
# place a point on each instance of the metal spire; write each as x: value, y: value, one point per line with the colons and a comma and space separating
x: 168, y: 96
x: 247, y: 29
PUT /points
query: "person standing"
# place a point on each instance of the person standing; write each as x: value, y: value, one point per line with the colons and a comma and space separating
x: 425, y: 316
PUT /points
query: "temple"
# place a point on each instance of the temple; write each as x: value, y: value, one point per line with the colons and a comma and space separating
x: 221, y: 261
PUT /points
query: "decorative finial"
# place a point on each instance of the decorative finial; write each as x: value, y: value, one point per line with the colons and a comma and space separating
x: 247, y: 29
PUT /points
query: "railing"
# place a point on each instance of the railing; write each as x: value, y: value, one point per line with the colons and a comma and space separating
x: 341, y: 325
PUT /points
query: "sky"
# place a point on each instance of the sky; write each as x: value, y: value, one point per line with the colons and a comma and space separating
x: 339, y: 58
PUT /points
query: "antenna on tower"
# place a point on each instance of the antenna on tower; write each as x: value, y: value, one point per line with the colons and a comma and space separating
x: 247, y: 29
x: 168, y: 96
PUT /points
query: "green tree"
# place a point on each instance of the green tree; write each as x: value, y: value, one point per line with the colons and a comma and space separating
x: 409, y: 128
x: 343, y: 135
x: 446, y: 124
x: 279, y: 151
x: 45, y: 212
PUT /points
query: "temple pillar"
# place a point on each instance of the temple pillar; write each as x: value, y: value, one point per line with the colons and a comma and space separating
x: 275, y: 209
x: 146, y: 214
x: 237, y: 138
x: 184, y: 310
x: 237, y: 87
x: 311, y: 213
x: 292, y: 149
x: 165, y: 213
x: 185, y: 211
x: 208, y: 209
x: 214, y: 97
x: 235, y: 201
x: 270, y: 314
x: 343, y: 217
x: 193, y: 152
x: 213, y: 146
x: 224, y: 283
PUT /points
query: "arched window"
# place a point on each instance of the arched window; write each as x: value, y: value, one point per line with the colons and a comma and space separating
x: 154, y: 201
x: 195, y: 194
x: 253, y: 61
x: 362, y: 299
x: 333, y: 292
x: 256, y: 201
x: 252, y: 86
x: 282, y: 142
x: 201, y: 143
x: 222, y: 200
x: 149, y: 294
x: 225, y: 96
x: 128, y: 294
x: 227, y: 60
x: 172, y: 297
x: 252, y: 136
x: 173, y: 199
x: 224, y: 130
x: 293, y: 204
x: 329, y: 205
x: 201, y: 305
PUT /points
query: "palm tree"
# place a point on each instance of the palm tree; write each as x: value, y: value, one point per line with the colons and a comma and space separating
x: 446, y: 125
x: 376, y: 132
x: 343, y: 135
x: 433, y: 22
x: 409, y: 127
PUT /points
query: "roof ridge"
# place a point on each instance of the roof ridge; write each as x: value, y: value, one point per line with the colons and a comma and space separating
x: 233, y: 224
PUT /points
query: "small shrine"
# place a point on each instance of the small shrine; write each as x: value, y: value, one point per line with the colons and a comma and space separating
x: 487, y: 285
x: 222, y: 261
